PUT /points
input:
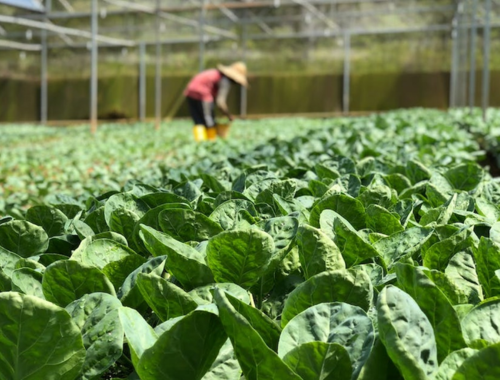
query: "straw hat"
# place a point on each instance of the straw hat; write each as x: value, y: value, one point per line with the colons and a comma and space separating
x: 237, y: 72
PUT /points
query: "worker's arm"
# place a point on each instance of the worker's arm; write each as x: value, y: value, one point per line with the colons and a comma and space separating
x: 208, y: 114
x: 221, y: 101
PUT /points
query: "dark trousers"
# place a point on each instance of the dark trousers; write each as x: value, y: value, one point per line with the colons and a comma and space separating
x: 197, y: 112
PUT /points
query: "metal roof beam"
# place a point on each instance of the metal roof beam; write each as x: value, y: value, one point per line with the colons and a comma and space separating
x: 227, y: 12
x: 181, y: 20
x: 67, y: 6
x: 319, y: 15
x: 12, y: 45
x: 229, y: 5
x: 63, y: 30
x: 195, y: 39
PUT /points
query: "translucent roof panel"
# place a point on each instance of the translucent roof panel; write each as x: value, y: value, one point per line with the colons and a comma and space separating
x: 33, y: 5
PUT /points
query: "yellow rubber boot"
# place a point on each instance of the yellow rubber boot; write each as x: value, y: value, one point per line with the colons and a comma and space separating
x: 211, y: 134
x: 200, y: 133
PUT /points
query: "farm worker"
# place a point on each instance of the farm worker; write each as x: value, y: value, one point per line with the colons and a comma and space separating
x: 210, y: 88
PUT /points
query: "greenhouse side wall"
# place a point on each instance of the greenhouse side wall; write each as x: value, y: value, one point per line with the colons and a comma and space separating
x: 268, y: 95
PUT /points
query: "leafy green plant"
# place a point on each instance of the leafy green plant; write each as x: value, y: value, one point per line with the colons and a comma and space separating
x: 365, y: 248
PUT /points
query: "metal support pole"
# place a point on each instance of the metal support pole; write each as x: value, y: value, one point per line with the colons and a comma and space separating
x: 93, y: 69
x: 43, y: 73
x: 142, y: 81
x: 463, y: 56
x: 472, y: 67
x: 486, y: 58
x: 454, y: 66
x: 158, y: 69
x: 243, y: 93
x: 203, y: 13
x: 347, y: 73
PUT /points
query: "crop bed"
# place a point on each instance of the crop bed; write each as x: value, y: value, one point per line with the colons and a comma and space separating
x: 361, y: 248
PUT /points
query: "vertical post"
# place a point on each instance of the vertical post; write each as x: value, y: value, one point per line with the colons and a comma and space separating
x: 142, y: 81
x: 158, y: 70
x: 463, y: 57
x: 243, y: 93
x: 486, y: 58
x: 347, y: 73
x: 43, y: 74
x: 472, y: 67
x: 93, y: 70
x: 203, y: 12
x: 454, y: 65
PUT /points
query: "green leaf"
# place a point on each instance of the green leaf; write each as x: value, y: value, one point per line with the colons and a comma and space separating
x: 349, y: 208
x: 256, y: 359
x: 482, y: 365
x: 185, y: 263
x: 240, y: 256
x: 189, y: 190
x: 442, y: 214
x: 158, y: 199
x: 340, y: 323
x: 225, y: 366
x: 118, y: 271
x: 8, y: 261
x: 214, y: 184
x: 436, y: 307
x: 129, y: 293
x: 123, y: 221
x: 487, y: 209
x: 481, y: 323
x: 487, y: 258
x: 205, y: 294
x: 96, y: 315
x: 439, y: 254
x: 405, y: 243
x: 31, y: 264
x: 317, y: 252
x: 124, y: 201
x: 97, y: 221
x: 397, y: 181
x: 230, y: 213
x: 378, y: 219
x: 354, y: 248
x: 268, y: 330
x: 49, y: 218
x: 101, y: 252
x: 283, y: 230
x: 462, y: 271
x: 186, y: 351
x: 452, y: 362
x: 38, y: 340
x: 465, y: 176
x: 82, y: 229
x: 166, y: 299
x: 417, y: 172
x: 188, y: 225
x: 319, y: 360
x: 140, y: 336
x: 68, y: 280
x: 229, y: 195
x: 351, y: 286
x: 27, y: 281
x: 23, y: 238
x: 407, y: 334
x: 379, y: 366
x: 454, y: 294
x: 150, y: 219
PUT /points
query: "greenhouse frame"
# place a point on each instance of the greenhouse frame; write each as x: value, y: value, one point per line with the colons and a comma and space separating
x: 198, y: 22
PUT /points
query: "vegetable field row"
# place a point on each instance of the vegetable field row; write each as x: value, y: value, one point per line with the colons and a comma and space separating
x: 345, y: 249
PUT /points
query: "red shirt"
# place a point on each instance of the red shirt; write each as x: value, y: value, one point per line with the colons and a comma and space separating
x: 204, y: 86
